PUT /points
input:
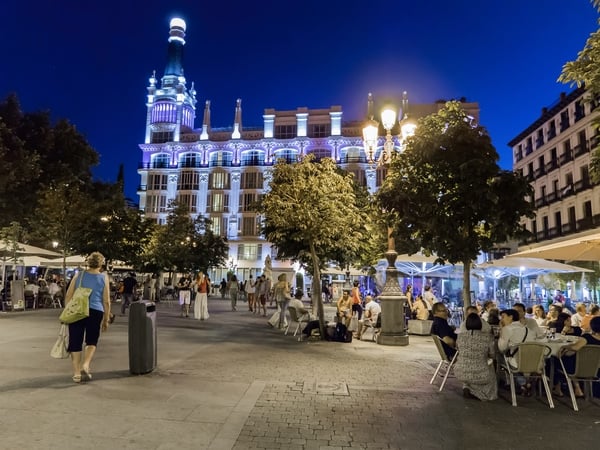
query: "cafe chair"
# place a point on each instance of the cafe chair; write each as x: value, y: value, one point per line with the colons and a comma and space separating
x: 298, y: 320
x: 587, y: 364
x: 445, y: 364
x: 530, y: 358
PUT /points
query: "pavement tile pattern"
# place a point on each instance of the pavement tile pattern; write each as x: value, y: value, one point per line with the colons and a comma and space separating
x: 234, y: 383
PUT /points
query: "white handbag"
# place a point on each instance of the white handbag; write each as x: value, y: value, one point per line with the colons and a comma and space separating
x: 59, y: 349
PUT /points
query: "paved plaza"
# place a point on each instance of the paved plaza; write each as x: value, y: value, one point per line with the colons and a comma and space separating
x: 232, y: 382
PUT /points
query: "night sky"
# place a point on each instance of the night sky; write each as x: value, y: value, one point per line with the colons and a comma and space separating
x: 91, y: 64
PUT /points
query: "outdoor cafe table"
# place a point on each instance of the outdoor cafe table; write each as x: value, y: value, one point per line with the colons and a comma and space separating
x: 557, y: 343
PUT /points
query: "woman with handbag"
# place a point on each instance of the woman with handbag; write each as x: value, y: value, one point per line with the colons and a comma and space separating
x: 99, y: 316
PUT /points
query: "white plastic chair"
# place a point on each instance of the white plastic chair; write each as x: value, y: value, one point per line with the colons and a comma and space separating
x: 587, y: 364
x: 530, y: 358
x: 445, y: 362
x: 294, y: 318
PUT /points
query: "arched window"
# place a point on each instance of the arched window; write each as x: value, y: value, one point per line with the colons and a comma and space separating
x: 221, y: 159
x: 161, y: 161
x: 190, y: 160
x: 320, y: 153
x: 290, y: 155
x: 253, y: 158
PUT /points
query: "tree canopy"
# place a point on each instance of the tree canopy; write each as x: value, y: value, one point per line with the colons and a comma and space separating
x: 311, y: 210
x: 448, y: 195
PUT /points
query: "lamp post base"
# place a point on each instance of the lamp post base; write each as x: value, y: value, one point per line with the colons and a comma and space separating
x: 392, y: 299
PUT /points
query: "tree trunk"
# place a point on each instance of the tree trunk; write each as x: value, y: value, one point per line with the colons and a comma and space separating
x: 317, y: 291
x: 466, y: 284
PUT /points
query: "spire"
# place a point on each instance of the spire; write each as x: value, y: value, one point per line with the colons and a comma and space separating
x: 370, y: 107
x: 404, y: 113
x: 205, y: 121
x: 237, y: 122
x: 175, y: 50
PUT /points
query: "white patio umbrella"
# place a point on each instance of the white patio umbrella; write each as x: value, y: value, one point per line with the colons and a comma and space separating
x: 586, y: 248
x: 523, y: 267
x: 8, y: 253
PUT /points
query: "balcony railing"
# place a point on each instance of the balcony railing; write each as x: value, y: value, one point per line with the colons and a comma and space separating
x: 528, y: 150
x: 565, y: 158
x: 539, y: 172
x: 582, y: 185
x: 580, y: 149
x: 586, y: 223
x: 551, y: 165
x: 551, y: 133
x: 539, y: 202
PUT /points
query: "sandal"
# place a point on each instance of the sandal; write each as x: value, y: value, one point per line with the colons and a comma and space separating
x: 77, y: 378
x: 86, y: 375
x: 557, y: 393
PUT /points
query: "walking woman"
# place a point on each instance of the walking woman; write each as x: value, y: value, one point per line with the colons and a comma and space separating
x: 233, y: 288
x: 89, y: 327
x: 201, y: 301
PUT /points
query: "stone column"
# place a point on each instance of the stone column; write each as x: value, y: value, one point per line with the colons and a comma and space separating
x: 392, y: 299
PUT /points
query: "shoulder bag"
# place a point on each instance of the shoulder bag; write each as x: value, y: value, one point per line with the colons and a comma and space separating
x: 59, y: 349
x: 79, y: 306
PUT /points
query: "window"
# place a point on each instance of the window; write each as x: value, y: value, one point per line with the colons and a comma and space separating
x: 285, y: 131
x: 190, y: 160
x: 540, y: 138
x: 551, y: 129
x: 188, y: 181
x: 218, y: 180
x: 564, y: 120
x: 579, y: 110
x: 248, y: 201
x: 587, y: 209
x: 252, y: 180
x: 160, y: 137
x: 558, y: 222
x: 157, y: 182
x: 320, y: 130
x: 249, y: 252
x: 156, y: 204
x: 161, y: 161
x: 253, y: 158
x: 190, y: 200
x: 221, y: 159
x: 290, y: 156
x: 218, y: 202
x: 249, y: 226
x: 320, y: 153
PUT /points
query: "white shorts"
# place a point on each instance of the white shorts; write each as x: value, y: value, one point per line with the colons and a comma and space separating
x: 184, y: 297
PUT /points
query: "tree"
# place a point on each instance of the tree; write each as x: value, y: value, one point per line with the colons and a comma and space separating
x: 311, y: 210
x: 185, y: 243
x: 585, y: 70
x: 36, y: 155
x: 448, y: 194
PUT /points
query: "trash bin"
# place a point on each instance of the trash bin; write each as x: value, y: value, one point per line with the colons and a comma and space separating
x: 142, y: 337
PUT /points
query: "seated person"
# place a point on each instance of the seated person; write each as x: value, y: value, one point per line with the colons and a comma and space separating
x: 31, y: 287
x: 485, y: 326
x: 344, y: 308
x: 372, y: 311
x: 419, y: 307
x: 585, y: 322
x: 301, y: 311
x: 442, y: 329
x: 493, y: 316
x: 512, y: 332
x: 563, y: 325
x: 530, y: 323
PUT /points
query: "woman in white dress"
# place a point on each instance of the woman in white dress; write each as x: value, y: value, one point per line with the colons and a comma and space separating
x: 201, y: 301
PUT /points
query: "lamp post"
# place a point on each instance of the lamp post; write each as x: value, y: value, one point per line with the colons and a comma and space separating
x: 64, y: 269
x: 392, y: 299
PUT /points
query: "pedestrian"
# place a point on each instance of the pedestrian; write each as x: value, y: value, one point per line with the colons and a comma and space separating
x: 185, y: 295
x: 128, y: 295
x: 223, y: 288
x: 89, y: 327
x: 250, y: 291
x: 233, y: 287
x: 201, y: 301
x: 281, y: 294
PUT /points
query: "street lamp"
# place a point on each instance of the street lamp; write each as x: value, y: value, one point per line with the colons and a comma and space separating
x: 393, y: 300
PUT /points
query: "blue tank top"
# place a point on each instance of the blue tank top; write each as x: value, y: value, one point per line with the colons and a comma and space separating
x: 95, y: 281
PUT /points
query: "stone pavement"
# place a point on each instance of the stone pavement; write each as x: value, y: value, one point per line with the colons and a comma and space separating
x: 234, y: 383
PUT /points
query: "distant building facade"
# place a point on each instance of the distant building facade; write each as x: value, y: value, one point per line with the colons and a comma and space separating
x: 554, y: 152
x: 219, y: 173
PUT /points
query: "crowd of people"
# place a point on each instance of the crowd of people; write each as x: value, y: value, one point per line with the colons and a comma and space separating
x: 488, y: 338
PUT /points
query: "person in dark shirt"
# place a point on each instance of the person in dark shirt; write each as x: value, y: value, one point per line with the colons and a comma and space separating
x: 129, y: 285
x: 441, y: 328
